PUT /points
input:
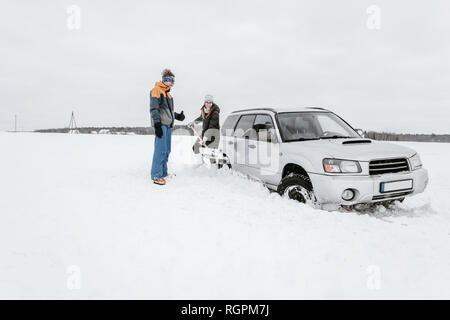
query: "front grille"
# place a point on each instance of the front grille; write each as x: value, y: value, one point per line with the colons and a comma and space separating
x: 388, y: 166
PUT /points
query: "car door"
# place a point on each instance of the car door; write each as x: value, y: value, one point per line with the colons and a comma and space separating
x: 267, y: 149
x: 245, y: 140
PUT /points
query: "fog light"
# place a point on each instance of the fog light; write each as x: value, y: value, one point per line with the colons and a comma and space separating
x: 348, y: 194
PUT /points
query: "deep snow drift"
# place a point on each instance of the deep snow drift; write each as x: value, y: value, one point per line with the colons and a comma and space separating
x: 87, y: 201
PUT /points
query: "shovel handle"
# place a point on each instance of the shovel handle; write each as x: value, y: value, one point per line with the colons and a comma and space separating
x: 198, y: 136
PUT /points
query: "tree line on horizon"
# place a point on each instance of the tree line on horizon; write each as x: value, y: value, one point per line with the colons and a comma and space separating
x: 384, y: 136
x: 419, y: 137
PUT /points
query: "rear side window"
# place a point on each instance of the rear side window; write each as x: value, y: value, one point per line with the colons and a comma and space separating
x: 228, y: 125
x: 244, y: 128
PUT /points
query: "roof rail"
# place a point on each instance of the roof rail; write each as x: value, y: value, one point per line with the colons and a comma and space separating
x: 317, y: 108
x: 255, y: 109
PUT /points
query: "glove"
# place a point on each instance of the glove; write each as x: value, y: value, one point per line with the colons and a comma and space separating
x: 180, y: 116
x: 158, y: 130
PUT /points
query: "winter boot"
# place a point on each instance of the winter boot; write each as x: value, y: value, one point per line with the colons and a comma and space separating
x: 161, y: 182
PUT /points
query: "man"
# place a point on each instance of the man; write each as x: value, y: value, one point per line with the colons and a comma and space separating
x: 211, y: 124
x: 162, y: 117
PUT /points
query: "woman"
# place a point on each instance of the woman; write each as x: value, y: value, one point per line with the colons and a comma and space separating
x: 211, y: 124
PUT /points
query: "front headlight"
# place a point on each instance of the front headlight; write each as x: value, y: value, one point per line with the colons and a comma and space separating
x: 341, y: 166
x: 415, y: 162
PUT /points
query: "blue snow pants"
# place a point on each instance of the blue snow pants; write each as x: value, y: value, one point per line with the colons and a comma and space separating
x: 161, y: 153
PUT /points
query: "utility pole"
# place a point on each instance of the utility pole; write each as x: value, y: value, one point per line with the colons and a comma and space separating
x: 15, y: 123
x: 73, y: 124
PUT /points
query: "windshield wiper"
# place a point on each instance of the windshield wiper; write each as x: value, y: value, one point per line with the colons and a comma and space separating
x: 302, y: 139
x: 335, y: 137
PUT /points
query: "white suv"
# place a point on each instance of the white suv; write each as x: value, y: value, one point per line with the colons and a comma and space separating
x: 314, y: 156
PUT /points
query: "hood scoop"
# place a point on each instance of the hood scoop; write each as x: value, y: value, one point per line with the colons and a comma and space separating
x: 357, y: 141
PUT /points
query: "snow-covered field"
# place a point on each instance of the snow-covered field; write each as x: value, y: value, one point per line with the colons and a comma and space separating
x: 80, y: 218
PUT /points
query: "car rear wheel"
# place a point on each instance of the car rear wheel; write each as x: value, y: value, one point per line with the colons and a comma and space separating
x: 297, y: 187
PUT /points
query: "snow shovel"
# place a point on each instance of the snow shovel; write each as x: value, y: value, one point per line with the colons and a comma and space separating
x: 212, y: 155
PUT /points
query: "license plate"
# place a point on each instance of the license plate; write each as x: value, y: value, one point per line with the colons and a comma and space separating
x: 396, y: 185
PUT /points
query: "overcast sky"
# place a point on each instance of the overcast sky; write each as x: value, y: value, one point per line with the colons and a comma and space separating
x: 246, y: 53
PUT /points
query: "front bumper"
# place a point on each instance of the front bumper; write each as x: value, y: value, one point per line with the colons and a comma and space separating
x: 328, y: 188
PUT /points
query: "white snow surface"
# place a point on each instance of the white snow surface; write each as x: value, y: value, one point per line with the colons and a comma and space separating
x: 88, y: 201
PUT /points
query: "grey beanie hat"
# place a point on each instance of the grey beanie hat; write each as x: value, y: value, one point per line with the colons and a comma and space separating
x: 209, y: 97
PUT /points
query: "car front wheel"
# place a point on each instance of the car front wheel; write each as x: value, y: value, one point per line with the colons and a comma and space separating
x: 297, y: 187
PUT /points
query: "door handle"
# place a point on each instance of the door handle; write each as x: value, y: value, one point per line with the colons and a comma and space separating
x: 230, y: 142
x: 252, y: 146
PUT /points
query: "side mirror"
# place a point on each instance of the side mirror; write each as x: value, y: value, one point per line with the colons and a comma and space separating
x: 360, y: 132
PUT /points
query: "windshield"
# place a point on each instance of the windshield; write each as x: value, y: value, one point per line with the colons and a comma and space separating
x: 298, y: 126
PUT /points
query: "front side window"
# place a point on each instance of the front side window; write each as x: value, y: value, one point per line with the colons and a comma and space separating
x: 298, y: 126
x: 264, y: 128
